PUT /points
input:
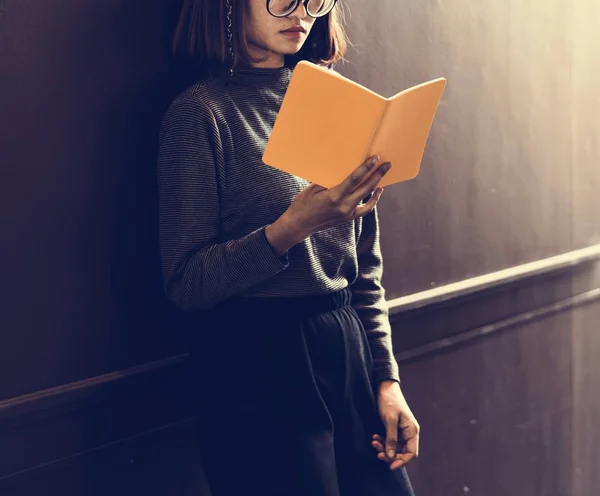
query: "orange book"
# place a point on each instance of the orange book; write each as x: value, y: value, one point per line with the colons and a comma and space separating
x: 328, y: 125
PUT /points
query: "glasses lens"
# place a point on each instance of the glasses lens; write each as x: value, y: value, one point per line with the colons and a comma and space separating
x: 318, y: 8
x: 315, y: 8
x: 282, y: 8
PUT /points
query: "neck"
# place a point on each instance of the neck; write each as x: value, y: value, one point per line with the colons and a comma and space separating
x: 266, y: 58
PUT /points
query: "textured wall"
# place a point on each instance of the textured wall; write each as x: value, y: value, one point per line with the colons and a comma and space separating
x: 82, y: 89
x: 513, y: 162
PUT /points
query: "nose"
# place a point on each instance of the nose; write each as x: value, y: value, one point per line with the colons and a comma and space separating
x: 300, y: 11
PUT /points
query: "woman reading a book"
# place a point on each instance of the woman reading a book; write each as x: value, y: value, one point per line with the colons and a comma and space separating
x: 296, y: 390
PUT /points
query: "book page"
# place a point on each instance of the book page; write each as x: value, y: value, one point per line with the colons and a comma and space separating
x: 403, y: 131
x: 324, y: 126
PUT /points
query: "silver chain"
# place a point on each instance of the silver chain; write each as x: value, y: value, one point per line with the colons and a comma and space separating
x: 230, y: 33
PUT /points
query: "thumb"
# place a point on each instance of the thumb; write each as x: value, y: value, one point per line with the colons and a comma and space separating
x: 391, y: 438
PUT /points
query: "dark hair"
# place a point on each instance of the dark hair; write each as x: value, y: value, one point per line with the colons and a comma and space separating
x: 201, y: 35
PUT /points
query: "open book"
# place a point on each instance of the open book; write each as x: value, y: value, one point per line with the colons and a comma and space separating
x: 328, y: 125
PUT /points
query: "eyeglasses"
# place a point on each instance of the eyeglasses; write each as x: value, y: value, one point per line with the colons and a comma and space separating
x: 314, y: 8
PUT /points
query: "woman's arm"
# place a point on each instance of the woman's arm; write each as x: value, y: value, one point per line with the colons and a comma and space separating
x: 198, y: 271
x: 368, y: 299
x: 400, y: 444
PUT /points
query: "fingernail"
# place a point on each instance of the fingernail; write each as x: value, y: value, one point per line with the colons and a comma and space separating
x: 374, y: 160
x: 387, y: 166
x: 391, y: 453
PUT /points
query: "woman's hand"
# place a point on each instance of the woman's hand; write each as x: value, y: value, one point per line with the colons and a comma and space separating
x: 318, y: 208
x: 401, y: 443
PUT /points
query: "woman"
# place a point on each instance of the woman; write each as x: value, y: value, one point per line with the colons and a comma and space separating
x: 295, y: 385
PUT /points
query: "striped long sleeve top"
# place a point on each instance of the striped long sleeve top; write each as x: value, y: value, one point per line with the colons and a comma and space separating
x: 216, y: 197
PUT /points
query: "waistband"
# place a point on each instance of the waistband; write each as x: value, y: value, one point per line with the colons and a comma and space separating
x: 294, y: 308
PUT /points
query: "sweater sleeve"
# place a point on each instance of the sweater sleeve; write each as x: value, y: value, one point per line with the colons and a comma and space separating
x: 368, y: 299
x: 199, y: 271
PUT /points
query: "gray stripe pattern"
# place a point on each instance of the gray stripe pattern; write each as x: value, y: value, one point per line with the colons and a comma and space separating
x: 217, y: 196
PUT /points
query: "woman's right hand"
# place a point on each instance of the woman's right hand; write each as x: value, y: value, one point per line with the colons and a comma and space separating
x: 318, y: 208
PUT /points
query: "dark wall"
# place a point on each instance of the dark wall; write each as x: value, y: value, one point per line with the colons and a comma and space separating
x: 513, y: 161
x: 514, y: 413
x: 92, y: 374
x: 82, y: 90
x: 502, y: 381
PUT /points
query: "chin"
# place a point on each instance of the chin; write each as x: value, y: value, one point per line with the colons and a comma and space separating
x: 291, y: 52
x: 290, y: 48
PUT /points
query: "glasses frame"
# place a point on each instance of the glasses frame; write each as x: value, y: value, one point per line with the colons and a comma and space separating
x: 296, y: 3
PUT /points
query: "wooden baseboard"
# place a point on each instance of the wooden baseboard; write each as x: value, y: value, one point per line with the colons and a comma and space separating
x: 589, y: 297
x: 79, y: 417
x: 565, y: 262
x: 432, y: 320
x: 77, y: 391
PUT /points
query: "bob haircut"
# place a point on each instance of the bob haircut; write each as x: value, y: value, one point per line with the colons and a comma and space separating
x: 201, y: 36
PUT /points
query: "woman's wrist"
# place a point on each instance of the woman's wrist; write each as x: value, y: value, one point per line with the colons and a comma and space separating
x: 388, y: 384
x: 283, y: 234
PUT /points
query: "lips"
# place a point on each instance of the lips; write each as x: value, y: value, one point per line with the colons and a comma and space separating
x: 298, y: 29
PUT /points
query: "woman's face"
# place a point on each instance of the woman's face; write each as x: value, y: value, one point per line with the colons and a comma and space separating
x: 270, y: 36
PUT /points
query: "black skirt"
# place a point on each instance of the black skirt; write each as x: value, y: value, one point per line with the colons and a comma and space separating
x: 284, y: 400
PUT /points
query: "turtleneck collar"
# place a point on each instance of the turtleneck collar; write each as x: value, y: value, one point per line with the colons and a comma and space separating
x: 261, y: 77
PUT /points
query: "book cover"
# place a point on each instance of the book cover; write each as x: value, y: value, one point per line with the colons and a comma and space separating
x: 328, y: 125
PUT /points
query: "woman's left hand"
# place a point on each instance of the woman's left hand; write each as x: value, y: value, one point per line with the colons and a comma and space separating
x: 401, y: 443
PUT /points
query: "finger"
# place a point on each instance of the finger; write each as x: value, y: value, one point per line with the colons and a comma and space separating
x: 401, y: 460
x: 378, y: 442
x: 368, y: 207
x: 377, y: 437
x: 370, y: 184
x: 378, y: 446
x: 383, y: 458
x: 410, y: 436
x: 354, y: 180
x: 391, y: 438
x: 412, y: 444
x: 404, y: 457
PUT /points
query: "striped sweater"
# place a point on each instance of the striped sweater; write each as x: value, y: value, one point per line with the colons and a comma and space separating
x: 216, y: 197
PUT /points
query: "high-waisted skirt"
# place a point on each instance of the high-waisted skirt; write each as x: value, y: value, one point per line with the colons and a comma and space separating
x: 284, y: 400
